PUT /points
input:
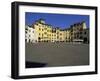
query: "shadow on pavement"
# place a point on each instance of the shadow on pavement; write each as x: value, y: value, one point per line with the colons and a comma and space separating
x: 34, y: 64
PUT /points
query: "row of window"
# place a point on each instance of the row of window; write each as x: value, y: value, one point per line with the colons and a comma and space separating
x: 44, y: 29
x: 49, y: 38
x: 48, y: 34
x: 29, y: 31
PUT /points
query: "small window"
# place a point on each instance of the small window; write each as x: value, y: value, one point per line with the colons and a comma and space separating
x: 45, y: 32
x: 25, y: 31
x: 39, y: 34
x: 81, y: 37
x: 39, y: 28
x: 80, y: 32
x: 26, y: 28
x: 84, y: 32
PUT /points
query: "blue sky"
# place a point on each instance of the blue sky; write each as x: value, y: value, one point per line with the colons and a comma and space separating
x: 56, y: 20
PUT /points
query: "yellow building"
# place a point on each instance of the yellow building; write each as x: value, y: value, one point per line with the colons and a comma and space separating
x: 68, y: 35
x: 61, y: 37
x: 44, y: 31
x: 57, y: 34
x: 47, y: 33
x: 53, y: 35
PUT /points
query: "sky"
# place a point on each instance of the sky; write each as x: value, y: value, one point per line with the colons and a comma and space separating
x: 56, y: 20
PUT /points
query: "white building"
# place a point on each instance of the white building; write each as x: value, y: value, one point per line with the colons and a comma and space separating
x: 30, y: 34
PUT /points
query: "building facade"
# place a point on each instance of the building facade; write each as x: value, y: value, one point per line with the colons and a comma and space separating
x: 42, y: 32
x: 30, y: 34
x: 77, y: 32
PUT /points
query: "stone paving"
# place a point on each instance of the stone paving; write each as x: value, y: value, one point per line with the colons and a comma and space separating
x: 58, y: 54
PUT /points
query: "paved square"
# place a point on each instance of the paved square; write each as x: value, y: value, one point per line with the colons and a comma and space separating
x: 58, y: 54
